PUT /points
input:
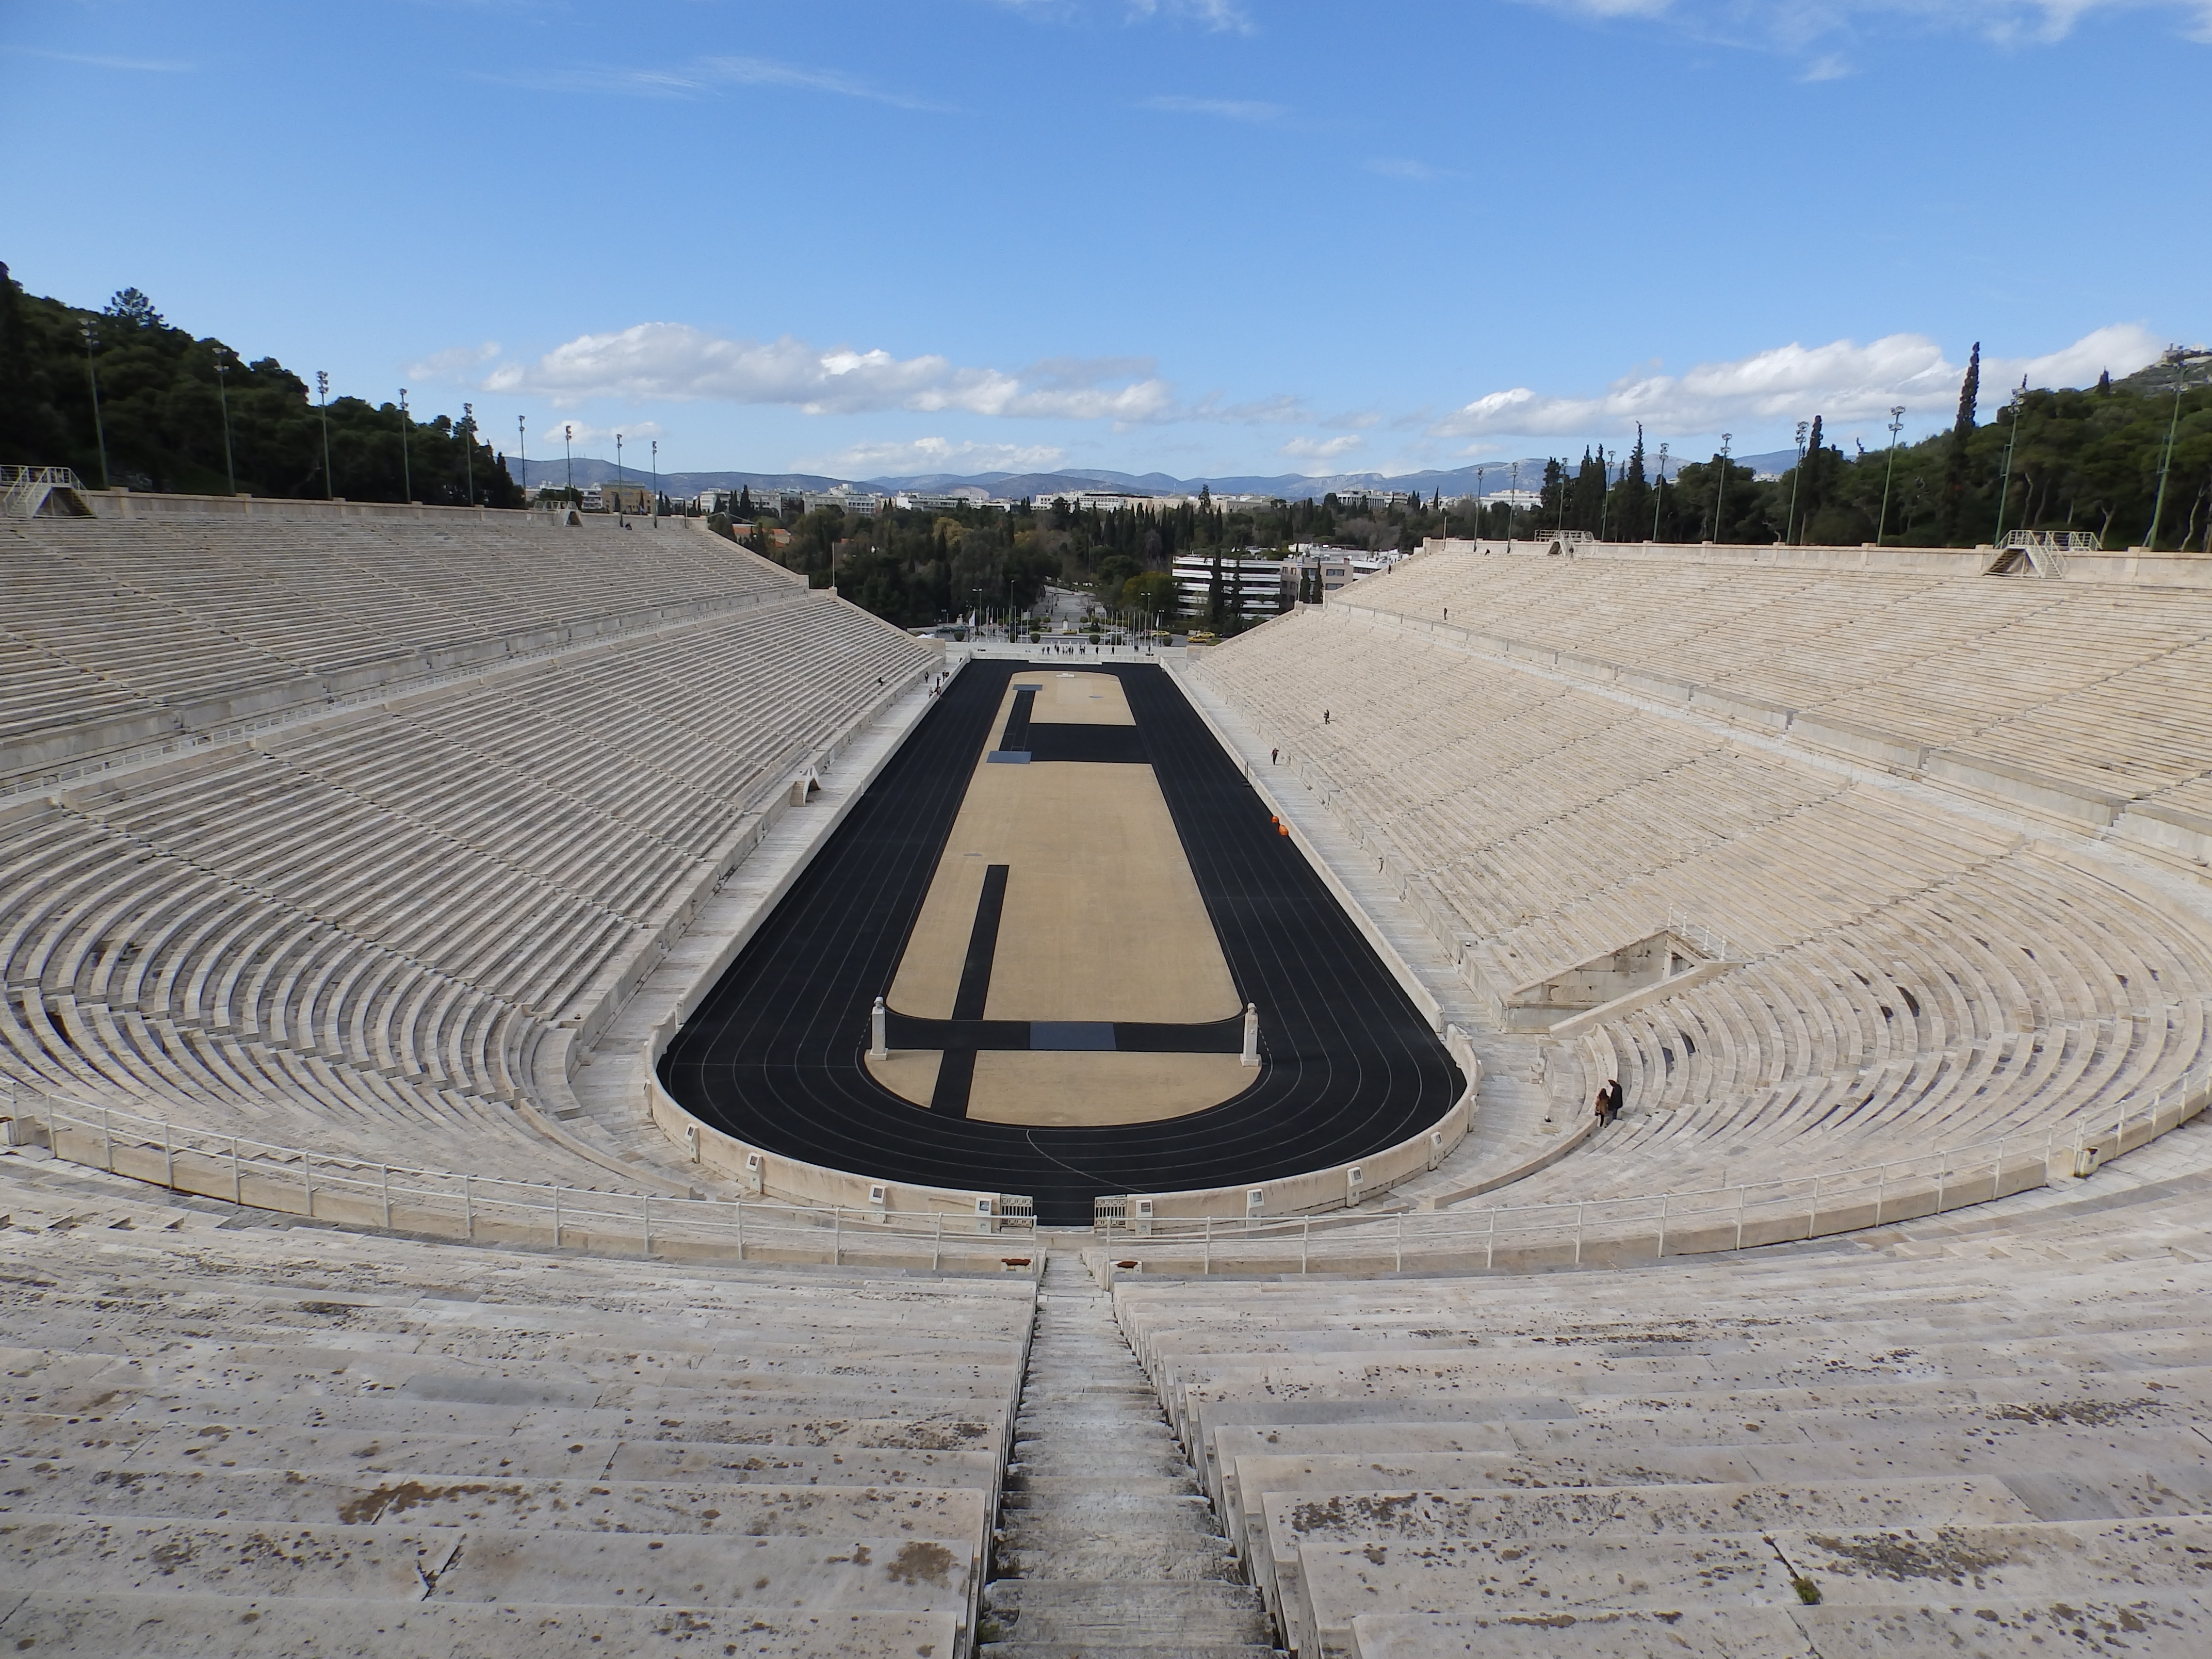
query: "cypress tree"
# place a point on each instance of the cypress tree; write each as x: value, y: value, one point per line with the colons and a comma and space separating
x: 1954, y: 467
x: 1808, y: 484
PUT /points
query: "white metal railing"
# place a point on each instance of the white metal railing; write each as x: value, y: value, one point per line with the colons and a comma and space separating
x: 360, y: 1192
x: 22, y: 487
x: 1715, y: 946
x: 2046, y: 550
x: 1777, y: 1211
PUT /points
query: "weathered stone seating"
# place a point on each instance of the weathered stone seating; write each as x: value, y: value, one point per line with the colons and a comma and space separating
x: 362, y: 1443
x: 357, y: 933
x: 1912, y: 976
x: 1899, y: 1453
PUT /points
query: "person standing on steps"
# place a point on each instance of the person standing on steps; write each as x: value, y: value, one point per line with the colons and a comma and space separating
x: 1609, y: 1101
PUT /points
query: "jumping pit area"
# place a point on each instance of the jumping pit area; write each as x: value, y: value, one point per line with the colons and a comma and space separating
x: 1067, y: 894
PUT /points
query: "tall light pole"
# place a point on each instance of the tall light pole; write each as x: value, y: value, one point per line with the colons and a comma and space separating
x: 656, y: 484
x: 2157, y: 511
x: 567, y: 456
x: 406, y: 471
x: 323, y: 404
x: 1720, y: 499
x: 1659, y: 495
x: 99, y: 432
x: 222, y: 397
x: 618, y: 479
x: 1604, y: 493
x: 1790, y: 529
x: 468, y: 445
x: 1896, y: 425
x: 2016, y: 403
x: 522, y: 455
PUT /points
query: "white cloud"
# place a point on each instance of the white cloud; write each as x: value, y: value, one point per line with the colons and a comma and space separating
x: 454, y: 363
x: 703, y: 76
x: 1321, y: 449
x: 1844, y: 381
x: 1399, y: 167
x: 637, y: 437
x: 673, y: 360
x: 1228, y: 109
x: 1795, y: 26
x: 1225, y: 15
x: 135, y: 66
x: 898, y: 459
x: 2123, y: 348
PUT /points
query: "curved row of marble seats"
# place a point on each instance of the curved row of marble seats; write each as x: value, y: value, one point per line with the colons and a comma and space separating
x: 2079, y: 680
x: 2037, y: 999
x: 120, y: 623
x: 1587, y: 1451
x: 39, y: 692
x: 362, y: 924
x: 1819, y: 1058
x: 233, y: 1003
x: 456, y: 1445
x: 326, y: 595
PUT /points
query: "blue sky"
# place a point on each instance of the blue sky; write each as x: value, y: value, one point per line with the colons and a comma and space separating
x: 1199, y: 236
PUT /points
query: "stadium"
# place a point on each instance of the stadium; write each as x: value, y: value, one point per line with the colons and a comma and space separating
x: 568, y: 1092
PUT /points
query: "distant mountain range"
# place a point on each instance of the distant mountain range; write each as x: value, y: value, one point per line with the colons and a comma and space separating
x: 1491, y: 475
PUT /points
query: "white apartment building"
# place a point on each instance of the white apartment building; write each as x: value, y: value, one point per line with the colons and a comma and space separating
x: 1249, y: 586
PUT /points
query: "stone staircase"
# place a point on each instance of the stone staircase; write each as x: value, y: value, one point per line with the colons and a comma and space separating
x: 1107, y: 1545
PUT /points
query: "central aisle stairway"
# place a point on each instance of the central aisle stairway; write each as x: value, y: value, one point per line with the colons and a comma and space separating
x: 1107, y: 1545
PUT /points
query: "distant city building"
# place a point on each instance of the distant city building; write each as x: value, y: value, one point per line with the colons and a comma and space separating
x: 1378, y: 500
x: 1249, y: 586
x: 948, y: 501
x: 1334, y: 567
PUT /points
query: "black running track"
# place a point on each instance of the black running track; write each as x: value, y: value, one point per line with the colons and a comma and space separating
x: 773, y: 1055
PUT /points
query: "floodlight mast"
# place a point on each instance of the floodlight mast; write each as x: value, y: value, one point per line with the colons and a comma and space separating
x: 1720, y: 497
x: 1896, y: 425
x: 322, y: 404
x: 92, y: 373
x: 222, y: 397
x: 1797, y: 478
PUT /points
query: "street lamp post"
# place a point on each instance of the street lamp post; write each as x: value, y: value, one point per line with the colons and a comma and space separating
x: 569, y: 460
x: 1720, y: 498
x: 2017, y: 404
x: 656, y: 484
x: 1797, y: 478
x: 99, y: 432
x: 1896, y: 425
x: 222, y: 397
x: 406, y: 470
x: 2157, y: 511
x: 468, y: 447
x: 323, y: 406
x: 522, y: 455
x: 1659, y: 493
x: 619, y: 519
